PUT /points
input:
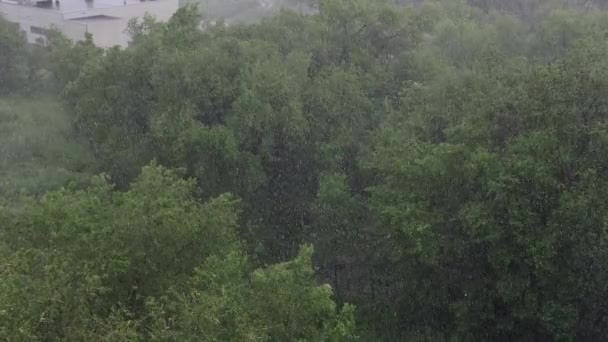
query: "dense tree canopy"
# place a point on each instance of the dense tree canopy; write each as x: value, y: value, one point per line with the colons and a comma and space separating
x: 150, y: 263
x: 448, y: 161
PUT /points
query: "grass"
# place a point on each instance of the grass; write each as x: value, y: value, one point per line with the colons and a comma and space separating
x: 37, y: 151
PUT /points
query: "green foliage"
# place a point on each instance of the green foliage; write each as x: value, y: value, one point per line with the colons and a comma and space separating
x: 65, y: 58
x: 90, y: 264
x: 13, y: 55
x: 446, y: 159
x: 280, y: 303
x: 38, y: 151
x: 112, y: 242
x: 42, y: 68
x: 286, y: 293
x: 476, y: 179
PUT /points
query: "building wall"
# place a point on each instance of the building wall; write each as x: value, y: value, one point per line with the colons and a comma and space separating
x: 161, y: 9
x: 108, y: 33
x: 74, y: 25
x: 32, y: 17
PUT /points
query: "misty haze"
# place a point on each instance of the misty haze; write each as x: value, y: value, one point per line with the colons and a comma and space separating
x: 303, y: 170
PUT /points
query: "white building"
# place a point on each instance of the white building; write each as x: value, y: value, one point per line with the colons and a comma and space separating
x: 105, y: 19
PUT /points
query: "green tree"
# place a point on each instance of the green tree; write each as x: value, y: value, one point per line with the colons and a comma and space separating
x: 475, y: 200
x: 223, y: 302
x: 103, y: 264
x: 13, y: 58
x: 86, y: 253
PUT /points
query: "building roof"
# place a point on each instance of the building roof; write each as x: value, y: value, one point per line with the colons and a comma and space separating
x: 94, y: 18
x: 70, y: 6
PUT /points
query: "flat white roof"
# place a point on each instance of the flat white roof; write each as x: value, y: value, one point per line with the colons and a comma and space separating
x: 68, y: 6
